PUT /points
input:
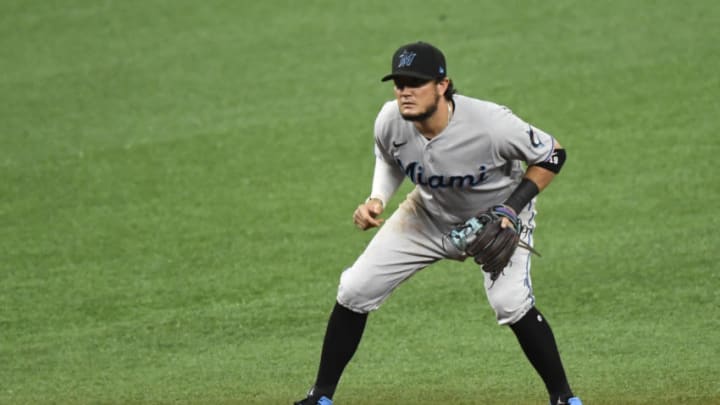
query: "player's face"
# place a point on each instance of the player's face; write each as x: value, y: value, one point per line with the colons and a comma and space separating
x: 417, y: 98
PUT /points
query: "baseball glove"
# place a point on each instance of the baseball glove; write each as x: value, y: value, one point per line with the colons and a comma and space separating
x: 484, y: 238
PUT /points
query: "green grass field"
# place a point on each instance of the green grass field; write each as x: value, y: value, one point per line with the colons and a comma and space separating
x: 178, y: 178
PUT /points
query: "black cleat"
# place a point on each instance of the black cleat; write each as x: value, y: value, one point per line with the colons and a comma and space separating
x: 315, y: 400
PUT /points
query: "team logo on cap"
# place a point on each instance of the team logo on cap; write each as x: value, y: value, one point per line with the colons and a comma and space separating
x: 406, y: 58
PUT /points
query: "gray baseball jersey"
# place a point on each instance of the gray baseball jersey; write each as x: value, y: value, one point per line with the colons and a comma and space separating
x: 473, y: 164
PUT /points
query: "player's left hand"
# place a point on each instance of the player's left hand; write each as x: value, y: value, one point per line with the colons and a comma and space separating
x: 491, y: 238
x: 496, y: 242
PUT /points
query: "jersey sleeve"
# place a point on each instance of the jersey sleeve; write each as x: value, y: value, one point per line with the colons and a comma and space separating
x: 382, y: 136
x: 518, y: 140
x: 386, y: 180
x: 387, y: 176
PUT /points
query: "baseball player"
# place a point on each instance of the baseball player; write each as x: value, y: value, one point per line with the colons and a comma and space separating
x: 477, y: 169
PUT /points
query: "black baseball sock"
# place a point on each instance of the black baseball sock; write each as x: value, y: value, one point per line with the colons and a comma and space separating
x: 538, y: 342
x: 342, y: 337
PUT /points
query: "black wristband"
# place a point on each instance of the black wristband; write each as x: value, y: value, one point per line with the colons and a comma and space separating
x: 525, y: 191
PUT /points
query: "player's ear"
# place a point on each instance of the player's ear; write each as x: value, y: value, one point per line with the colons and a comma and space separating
x: 443, y: 84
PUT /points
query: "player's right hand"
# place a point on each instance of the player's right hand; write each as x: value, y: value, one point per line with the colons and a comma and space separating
x: 366, y: 215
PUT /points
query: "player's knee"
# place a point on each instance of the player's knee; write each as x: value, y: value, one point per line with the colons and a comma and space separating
x: 351, y: 299
x: 509, y: 310
x: 357, y: 293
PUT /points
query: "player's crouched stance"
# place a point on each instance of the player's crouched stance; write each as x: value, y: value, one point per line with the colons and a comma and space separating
x: 472, y: 198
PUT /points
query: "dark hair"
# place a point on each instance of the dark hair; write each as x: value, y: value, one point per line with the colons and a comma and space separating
x: 449, y: 91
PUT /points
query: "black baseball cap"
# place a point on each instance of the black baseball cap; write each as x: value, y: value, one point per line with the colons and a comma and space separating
x: 419, y: 60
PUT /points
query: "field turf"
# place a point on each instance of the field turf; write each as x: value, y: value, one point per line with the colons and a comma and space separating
x: 177, y: 180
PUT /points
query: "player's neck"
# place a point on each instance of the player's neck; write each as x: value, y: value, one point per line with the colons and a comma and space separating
x: 436, y: 123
